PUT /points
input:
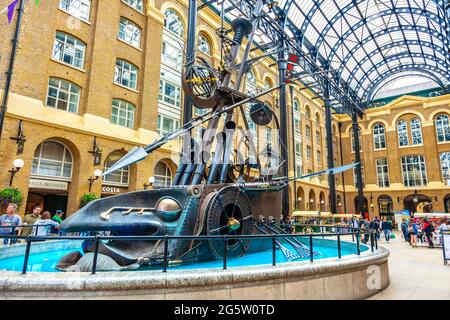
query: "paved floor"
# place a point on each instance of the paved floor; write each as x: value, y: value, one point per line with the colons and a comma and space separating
x: 415, y: 273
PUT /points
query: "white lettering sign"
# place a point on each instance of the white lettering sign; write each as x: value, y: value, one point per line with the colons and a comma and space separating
x: 48, y: 184
x: 107, y: 189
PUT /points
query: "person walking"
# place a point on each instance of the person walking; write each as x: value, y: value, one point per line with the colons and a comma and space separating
x: 412, y: 230
x: 30, y: 219
x: 428, y: 228
x: 10, y: 219
x: 404, y: 227
x: 386, y: 226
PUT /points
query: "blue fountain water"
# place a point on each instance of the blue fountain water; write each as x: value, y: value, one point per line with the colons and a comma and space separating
x: 46, y: 261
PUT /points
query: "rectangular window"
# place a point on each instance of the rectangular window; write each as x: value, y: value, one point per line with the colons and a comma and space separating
x: 69, y: 50
x: 297, y: 126
x: 77, y: 8
x: 414, y: 171
x: 169, y: 93
x: 402, y: 133
x: 319, y: 158
x: 308, y: 132
x: 122, y: 113
x: 171, y: 56
x: 416, y: 131
x: 308, y: 153
x: 298, y: 149
x: 382, y: 173
x: 318, y: 139
x: 445, y: 167
x: 167, y: 124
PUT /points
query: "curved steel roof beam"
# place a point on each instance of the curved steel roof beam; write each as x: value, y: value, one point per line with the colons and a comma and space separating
x: 397, y: 76
x: 364, y: 79
x: 397, y: 44
x: 431, y: 71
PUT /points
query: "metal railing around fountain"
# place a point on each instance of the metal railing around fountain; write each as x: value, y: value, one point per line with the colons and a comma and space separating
x: 355, y: 233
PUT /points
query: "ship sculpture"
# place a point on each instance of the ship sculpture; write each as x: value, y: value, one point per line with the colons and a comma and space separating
x: 209, y: 195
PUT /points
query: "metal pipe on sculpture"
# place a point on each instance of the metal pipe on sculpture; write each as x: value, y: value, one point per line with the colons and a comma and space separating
x: 240, y: 76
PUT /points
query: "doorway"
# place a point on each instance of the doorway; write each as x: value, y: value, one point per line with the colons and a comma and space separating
x: 48, y: 201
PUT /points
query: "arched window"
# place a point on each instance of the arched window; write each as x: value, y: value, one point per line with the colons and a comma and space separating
x: 267, y: 84
x: 379, y: 136
x: 63, y: 95
x: 442, y: 128
x: 204, y: 44
x: 173, y: 23
x: 296, y: 106
x: 52, y: 159
x: 307, y: 112
x: 385, y: 205
x: 136, y: 4
x: 163, y: 175
x: 416, y: 131
x: 402, y: 132
x: 126, y: 74
x: 118, y: 177
x: 69, y: 49
x: 77, y: 8
x: 317, y: 119
x: 130, y: 32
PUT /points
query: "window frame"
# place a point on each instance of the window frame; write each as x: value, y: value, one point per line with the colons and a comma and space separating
x: 134, y: 7
x: 207, y: 41
x: 167, y: 182
x: 120, y: 171
x: 406, y: 174
x: 129, y: 23
x: 69, y: 95
x: 118, y: 79
x: 379, y: 137
x: 443, y: 127
x: 384, y: 178
x: 162, y: 97
x: 127, y: 112
x: 402, y: 135
x: 71, y: 14
x: 63, y: 162
x: 180, y: 32
x: 445, y: 170
x: 78, y: 46
x: 416, y: 132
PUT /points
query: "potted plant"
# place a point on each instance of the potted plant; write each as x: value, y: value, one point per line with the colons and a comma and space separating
x: 8, y: 195
x: 86, y: 198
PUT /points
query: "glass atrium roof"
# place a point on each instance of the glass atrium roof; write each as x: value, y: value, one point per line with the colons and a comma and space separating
x: 366, y: 43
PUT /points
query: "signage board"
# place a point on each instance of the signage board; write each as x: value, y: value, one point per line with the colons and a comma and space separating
x: 446, y: 245
x: 111, y: 190
x: 48, y: 184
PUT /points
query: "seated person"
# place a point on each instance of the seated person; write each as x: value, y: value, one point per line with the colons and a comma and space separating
x: 44, y: 225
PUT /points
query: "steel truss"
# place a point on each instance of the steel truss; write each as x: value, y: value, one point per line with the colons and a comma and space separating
x: 366, y: 42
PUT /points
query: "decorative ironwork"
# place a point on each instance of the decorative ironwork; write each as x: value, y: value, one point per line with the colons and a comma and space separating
x: 96, y: 153
x: 20, y: 138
